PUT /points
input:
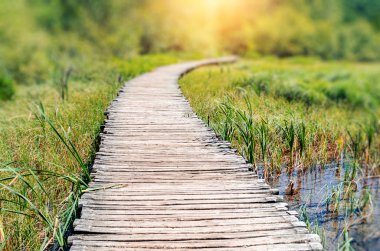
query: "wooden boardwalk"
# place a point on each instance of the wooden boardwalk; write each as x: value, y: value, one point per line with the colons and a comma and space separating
x: 183, y: 188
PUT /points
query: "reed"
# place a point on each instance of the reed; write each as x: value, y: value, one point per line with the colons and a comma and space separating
x: 346, y: 243
x: 228, y: 111
x: 61, y: 79
x: 288, y: 135
x: 355, y: 140
x: 246, y: 131
x: 262, y: 130
x: 301, y: 137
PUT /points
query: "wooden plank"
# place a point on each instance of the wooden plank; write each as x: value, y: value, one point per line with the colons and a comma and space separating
x: 175, y: 194
x: 236, y: 243
x: 184, y: 217
x: 110, y: 229
x: 180, y: 213
x: 269, y: 247
x: 185, y: 237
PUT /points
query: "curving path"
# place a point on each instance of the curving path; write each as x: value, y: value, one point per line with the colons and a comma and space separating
x: 183, y: 188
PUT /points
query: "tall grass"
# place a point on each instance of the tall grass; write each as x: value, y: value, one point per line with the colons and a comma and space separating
x: 51, y: 147
x: 263, y: 137
x: 61, y: 79
x: 28, y: 194
x: 261, y: 140
x: 301, y: 137
x: 228, y: 128
x: 246, y: 134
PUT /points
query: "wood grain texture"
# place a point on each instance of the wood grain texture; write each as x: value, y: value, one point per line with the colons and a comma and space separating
x: 177, y: 185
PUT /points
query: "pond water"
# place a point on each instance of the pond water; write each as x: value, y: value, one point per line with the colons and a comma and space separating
x: 310, y: 191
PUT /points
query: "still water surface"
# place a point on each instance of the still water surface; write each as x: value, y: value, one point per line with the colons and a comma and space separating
x: 311, y: 188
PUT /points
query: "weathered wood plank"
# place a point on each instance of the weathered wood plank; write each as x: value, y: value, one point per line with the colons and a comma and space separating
x: 276, y: 247
x: 235, y: 243
x: 186, y: 217
x: 188, y: 236
x: 181, y: 213
x: 196, y: 230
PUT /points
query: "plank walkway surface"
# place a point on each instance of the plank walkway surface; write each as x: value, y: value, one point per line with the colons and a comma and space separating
x: 181, y: 187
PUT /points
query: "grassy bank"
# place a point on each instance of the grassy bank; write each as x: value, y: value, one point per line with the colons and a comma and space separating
x: 296, y: 112
x: 302, y: 123
x: 43, y: 171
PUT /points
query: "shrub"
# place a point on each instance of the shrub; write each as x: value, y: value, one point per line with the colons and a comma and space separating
x: 295, y: 91
x: 259, y: 82
x: 338, y: 93
x: 7, y: 89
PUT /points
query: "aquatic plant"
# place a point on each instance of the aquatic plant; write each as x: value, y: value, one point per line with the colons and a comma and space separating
x: 301, y: 137
x: 288, y: 135
x: 228, y: 123
x: 313, y: 228
x: 304, y: 216
x: 346, y: 243
x: 262, y: 130
x: 245, y: 127
x: 355, y: 143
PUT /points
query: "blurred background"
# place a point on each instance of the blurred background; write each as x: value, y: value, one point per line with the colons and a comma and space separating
x: 38, y: 35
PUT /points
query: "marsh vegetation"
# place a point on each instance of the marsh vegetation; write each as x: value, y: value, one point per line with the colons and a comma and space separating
x: 298, y: 121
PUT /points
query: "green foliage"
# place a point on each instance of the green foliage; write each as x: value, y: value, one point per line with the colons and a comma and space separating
x: 367, y: 9
x: 316, y: 84
x: 293, y: 91
x: 7, y: 89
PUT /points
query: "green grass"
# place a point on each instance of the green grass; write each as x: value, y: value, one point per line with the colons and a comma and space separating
x: 300, y: 112
x: 47, y: 142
